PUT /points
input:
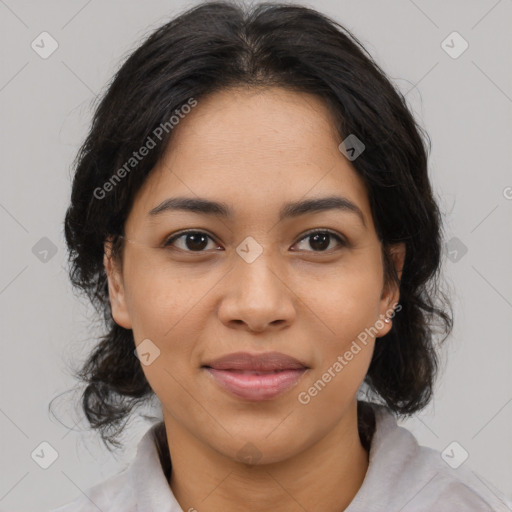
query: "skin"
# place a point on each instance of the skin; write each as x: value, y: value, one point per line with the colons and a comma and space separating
x: 239, y: 147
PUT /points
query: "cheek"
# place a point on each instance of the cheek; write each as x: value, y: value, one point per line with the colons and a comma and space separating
x: 167, y: 310
x: 155, y: 297
x: 349, y: 310
x: 347, y: 299
x: 333, y: 387
x: 168, y: 319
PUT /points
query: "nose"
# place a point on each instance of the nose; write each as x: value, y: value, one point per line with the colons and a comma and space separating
x: 256, y: 297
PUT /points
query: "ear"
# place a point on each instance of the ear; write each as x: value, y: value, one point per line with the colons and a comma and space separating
x: 116, y: 290
x: 391, y: 292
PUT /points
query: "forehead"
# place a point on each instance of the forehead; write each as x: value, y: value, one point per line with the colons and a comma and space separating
x: 254, y: 149
x: 272, y: 123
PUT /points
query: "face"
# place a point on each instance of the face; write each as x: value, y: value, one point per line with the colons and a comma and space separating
x: 256, y: 280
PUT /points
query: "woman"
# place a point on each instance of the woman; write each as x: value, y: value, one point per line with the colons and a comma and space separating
x: 252, y: 214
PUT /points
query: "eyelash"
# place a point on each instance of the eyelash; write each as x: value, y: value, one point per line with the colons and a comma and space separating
x: 309, y: 234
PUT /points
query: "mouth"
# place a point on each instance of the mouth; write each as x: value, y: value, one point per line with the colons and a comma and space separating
x: 256, y: 377
x: 256, y: 385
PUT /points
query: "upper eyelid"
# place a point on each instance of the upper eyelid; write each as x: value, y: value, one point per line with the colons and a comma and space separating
x: 322, y: 230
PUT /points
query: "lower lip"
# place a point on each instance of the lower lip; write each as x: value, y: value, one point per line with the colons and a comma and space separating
x: 256, y: 387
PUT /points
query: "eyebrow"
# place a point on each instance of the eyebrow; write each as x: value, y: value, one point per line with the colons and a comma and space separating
x: 289, y: 210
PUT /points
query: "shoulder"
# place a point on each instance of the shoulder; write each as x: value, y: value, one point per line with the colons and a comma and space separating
x: 433, y: 485
x: 114, y: 494
x: 122, y: 491
x: 402, y: 475
x: 143, y: 485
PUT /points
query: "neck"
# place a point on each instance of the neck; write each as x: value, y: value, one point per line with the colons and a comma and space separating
x: 326, y: 476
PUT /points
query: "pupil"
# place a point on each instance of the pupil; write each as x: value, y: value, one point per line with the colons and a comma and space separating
x: 323, y: 238
x: 196, y: 243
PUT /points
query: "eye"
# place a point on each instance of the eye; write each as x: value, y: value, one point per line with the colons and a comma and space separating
x: 190, y: 241
x: 320, y: 239
x: 197, y: 241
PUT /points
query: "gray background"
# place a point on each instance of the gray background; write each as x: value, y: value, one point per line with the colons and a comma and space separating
x: 466, y: 105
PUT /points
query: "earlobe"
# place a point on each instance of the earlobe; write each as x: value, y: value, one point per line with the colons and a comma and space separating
x: 116, y: 289
x: 391, y: 293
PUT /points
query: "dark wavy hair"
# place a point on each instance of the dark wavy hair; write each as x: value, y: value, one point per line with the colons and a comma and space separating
x: 217, y: 45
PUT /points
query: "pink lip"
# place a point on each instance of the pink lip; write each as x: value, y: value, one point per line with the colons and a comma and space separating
x: 256, y: 376
x: 257, y: 385
x: 266, y: 361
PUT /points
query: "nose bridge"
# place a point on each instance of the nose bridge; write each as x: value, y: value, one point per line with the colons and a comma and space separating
x: 256, y: 270
x: 256, y: 294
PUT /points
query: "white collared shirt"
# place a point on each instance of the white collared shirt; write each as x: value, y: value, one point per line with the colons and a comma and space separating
x: 402, y: 476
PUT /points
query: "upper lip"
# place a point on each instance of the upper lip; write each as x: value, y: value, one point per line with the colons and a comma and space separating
x: 267, y: 361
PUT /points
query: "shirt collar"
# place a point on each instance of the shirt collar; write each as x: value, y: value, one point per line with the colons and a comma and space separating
x: 151, y: 489
x: 153, y: 492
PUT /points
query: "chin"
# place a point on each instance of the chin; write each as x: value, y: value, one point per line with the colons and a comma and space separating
x: 256, y: 450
